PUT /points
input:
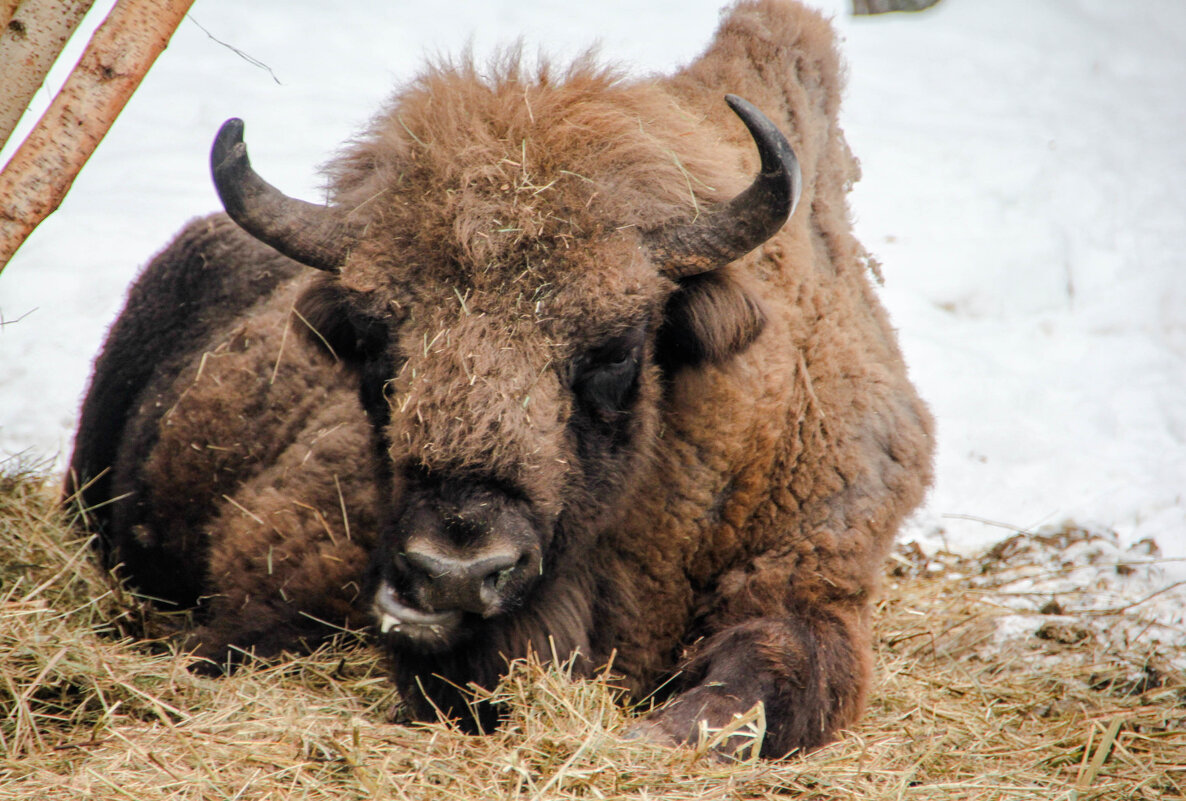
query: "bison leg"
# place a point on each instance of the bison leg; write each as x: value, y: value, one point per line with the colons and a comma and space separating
x: 810, y: 671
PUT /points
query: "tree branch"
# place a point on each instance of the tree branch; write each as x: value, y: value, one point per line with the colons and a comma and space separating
x: 30, y: 42
x: 34, y: 182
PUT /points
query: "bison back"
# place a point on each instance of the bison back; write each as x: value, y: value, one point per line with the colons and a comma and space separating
x: 207, y: 277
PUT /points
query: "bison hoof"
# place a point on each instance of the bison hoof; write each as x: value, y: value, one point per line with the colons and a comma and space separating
x: 690, y: 722
x: 648, y: 731
x: 728, y: 749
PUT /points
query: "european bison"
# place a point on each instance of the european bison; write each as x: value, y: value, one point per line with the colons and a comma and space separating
x: 558, y: 381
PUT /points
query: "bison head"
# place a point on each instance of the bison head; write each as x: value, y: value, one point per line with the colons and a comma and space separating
x: 512, y: 327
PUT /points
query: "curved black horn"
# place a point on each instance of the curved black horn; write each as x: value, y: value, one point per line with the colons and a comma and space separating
x: 317, y: 236
x: 747, y: 220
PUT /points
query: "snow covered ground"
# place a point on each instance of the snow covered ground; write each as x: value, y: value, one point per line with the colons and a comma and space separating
x: 1024, y: 164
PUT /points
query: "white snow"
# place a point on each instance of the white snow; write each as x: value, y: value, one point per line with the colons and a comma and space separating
x: 1024, y: 166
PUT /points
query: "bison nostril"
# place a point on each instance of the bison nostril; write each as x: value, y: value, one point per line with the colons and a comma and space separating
x: 494, y: 571
x: 492, y: 588
x: 497, y: 579
x: 498, y: 576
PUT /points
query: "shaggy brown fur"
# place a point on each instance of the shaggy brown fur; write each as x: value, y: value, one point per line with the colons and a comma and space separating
x: 699, y: 479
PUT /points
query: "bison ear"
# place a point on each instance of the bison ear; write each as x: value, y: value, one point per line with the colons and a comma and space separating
x: 331, y: 317
x: 710, y: 318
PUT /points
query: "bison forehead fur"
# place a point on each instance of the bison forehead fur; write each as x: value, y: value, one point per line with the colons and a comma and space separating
x: 564, y: 384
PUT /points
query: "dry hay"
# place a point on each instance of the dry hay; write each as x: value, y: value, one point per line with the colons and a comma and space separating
x: 959, y: 710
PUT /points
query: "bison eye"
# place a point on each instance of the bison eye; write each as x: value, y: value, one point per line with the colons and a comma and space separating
x: 605, y: 378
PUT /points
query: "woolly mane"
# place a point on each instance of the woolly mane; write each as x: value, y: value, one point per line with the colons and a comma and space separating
x: 498, y: 166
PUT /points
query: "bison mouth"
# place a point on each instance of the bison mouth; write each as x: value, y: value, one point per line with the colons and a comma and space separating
x: 426, y: 631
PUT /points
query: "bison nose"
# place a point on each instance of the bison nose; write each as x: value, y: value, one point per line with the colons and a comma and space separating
x: 473, y: 583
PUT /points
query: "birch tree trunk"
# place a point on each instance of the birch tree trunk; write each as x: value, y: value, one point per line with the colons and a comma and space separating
x: 42, y: 170
x: 7, y: 9
x: 31, y: 40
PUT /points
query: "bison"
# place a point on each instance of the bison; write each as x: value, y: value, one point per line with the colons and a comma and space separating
x: 550, y: 372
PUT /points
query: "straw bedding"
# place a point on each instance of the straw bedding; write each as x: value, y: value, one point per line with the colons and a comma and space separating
x: 1025, y: 672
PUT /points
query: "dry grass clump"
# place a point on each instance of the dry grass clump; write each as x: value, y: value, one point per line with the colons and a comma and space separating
x: 959, y: 711
x: 60, y: 658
